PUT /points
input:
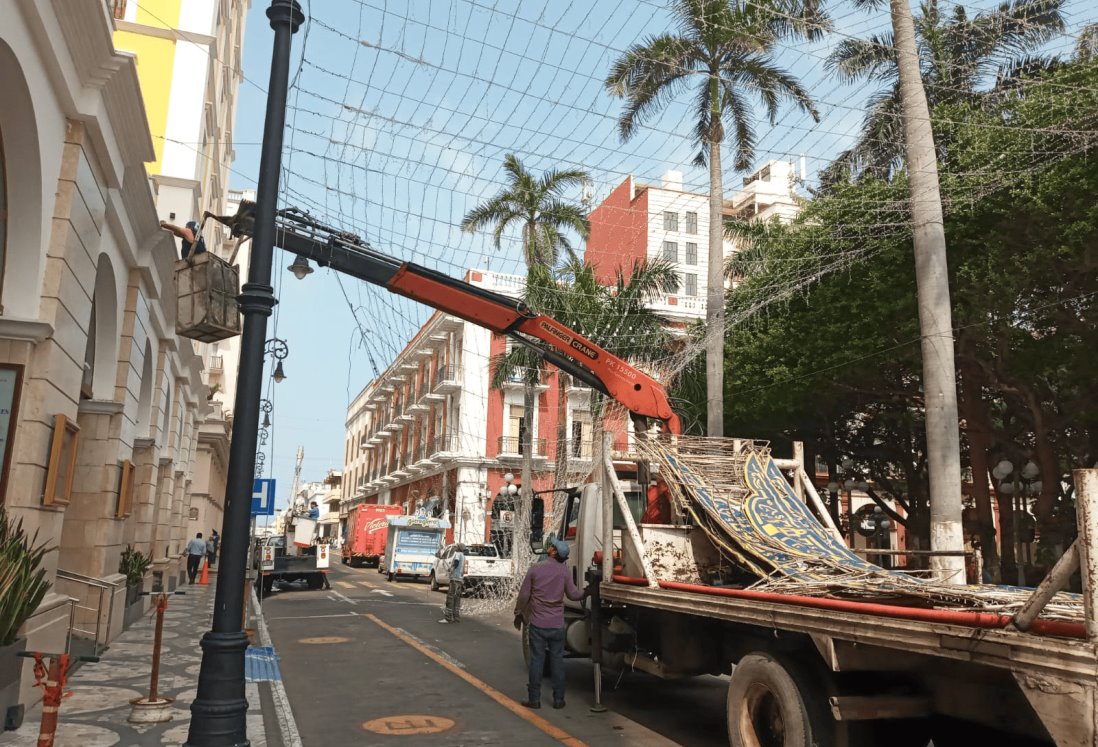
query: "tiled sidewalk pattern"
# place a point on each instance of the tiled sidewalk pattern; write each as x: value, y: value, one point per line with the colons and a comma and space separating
x: 95, y: 714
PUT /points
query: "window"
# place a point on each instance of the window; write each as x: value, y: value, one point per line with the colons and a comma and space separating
x: 670, y: 221
x: 670, y: 251
x: 516, y: 430
x: 691, y: 222
x: 676, y: 285
x: 691, y: 282
x: 691, y: 254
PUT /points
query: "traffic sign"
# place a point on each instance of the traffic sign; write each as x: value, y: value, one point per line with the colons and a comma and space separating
x: 263, y: 498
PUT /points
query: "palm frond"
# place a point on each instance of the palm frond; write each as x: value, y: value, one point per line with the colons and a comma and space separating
x: 863, y: 59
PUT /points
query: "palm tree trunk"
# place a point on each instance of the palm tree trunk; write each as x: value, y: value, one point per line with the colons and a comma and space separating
x: 935, y: 317
x: 714, y: 296
x: 526, y: 495
x: 562, y: 432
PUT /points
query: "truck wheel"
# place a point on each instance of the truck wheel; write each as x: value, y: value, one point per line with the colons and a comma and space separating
x: 434, y: 582
x: 391, y: 574
x: 314, y: 581
x: 773, y: 704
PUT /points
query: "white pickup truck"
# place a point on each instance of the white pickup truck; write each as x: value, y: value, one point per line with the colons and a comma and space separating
x: 483, y: 567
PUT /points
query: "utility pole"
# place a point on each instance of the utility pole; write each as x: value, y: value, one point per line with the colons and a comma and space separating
x: 935, y: 314
x: 220, y: 707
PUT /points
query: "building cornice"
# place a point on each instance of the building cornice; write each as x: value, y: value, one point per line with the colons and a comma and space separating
x: 100, y: 407
x: 29, y: 330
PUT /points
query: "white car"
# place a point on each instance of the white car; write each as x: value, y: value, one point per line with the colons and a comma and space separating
x: 483, y: 566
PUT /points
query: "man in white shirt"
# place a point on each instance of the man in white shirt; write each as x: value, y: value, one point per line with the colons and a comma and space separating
x: 196, y: 550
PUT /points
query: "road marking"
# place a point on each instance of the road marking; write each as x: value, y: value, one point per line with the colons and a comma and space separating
x: 316, y: 617
x: 382, y: 592
x: 346, y: 584
x: 320, y: 639
x: 524, y: 713
x: 401, y: 725
x: 343, y: 597
x: 367, y: 584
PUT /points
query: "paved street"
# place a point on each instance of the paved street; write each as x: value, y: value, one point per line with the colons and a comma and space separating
x: 373, y: 651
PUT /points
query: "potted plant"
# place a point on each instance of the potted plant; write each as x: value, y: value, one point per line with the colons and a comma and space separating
x: 133, y: 565
x: 23, y: 584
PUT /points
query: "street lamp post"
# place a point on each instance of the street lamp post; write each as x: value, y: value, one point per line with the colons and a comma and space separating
x: 220, y: 706
x: 277, y: 349
x: 1020, y: 488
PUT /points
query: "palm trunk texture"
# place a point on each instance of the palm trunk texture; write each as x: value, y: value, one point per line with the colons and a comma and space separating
x: 935, y: 316
x: 714, y: 300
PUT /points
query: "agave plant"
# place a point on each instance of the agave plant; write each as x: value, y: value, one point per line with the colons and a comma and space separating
x: 134, y: 565
x: 23, y: 581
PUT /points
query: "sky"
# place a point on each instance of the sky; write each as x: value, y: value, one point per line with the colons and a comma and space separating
x: 400, y: 114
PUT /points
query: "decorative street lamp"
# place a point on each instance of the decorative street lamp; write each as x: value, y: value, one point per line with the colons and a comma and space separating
x: 220, y: 707
x: 266, y: 407
x: 278, y: 349
x: 1020, y: 487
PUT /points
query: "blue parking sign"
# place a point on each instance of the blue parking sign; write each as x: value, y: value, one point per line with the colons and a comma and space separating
x: 263, y: 498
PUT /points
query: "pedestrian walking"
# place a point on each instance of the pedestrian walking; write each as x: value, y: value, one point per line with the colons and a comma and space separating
x: 541, y: 604
x: 196, y: 550
x: 452, y: 611
x: 211, y: 550
x: 217, y: 545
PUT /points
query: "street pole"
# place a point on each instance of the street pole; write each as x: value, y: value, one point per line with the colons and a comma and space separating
x: 220, y: 707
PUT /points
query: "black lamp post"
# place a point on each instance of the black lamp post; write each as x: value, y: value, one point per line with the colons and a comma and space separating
x: 220, y: 707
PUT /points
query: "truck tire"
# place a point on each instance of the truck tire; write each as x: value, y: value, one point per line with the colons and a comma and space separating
x: 391, y: 575
x: 314, y: 581
x: 434, y: 582
x: 772, y: 703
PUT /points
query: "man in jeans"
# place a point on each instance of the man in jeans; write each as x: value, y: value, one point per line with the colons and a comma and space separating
x: 196, y: 550
x: 452, y: 611
x: 541, y: 603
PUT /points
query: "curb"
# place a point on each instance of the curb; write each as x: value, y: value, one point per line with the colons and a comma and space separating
x: 286, y: 723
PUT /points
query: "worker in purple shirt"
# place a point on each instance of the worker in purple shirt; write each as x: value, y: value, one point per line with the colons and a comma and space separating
x: 541, y: 603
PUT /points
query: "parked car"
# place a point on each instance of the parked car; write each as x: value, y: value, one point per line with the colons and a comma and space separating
x: 483, y: 567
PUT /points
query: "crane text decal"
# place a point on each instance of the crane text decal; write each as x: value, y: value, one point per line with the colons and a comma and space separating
x: 569, y: 340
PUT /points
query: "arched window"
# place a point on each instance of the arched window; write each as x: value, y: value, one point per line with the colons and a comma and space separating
x: 3, y: 219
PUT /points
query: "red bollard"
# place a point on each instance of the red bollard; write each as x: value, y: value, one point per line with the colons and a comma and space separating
x: 154, y: 709
x: 53, y: 685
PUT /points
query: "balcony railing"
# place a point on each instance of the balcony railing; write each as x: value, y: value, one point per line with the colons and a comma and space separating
x: 581, y: 449
x: 517, y: 379
x: 441, y: 445
x: 511, y: 446
x: 447, y: 379
x: 217, y: 363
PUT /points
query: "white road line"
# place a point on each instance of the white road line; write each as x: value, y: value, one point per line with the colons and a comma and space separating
x: 343, y: 597
x: 316, y: 617
x: 286, y: 724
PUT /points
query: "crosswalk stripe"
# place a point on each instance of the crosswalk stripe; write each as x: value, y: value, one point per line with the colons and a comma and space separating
x: 346, y: 584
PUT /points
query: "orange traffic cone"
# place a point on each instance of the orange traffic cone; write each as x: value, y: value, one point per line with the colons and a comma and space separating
x: 205, y: 577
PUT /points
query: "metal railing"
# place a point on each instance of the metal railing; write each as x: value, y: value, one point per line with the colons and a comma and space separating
x: 441, y: 443
x: 518, y: 377
x: 447, y: 374
x: 579, y: 449
x: 217, y: 363
x: 510, y: 446
x: 93, y: 609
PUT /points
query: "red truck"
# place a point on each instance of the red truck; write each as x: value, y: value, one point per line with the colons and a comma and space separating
x: 366, y: 530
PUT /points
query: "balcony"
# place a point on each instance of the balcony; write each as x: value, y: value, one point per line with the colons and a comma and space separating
x: 215, y: 364
x: 442, y: 448
x: 517, y: 380
x: 447, y: 379
x: 420, y: 408
x: 582, y: 449
x: 512, y: 448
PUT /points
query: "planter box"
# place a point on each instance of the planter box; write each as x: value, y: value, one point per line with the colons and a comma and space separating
x: 135, y: 605
x: 11, y: 670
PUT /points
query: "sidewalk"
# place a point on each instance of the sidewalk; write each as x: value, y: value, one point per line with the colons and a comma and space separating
x: 96, y: 712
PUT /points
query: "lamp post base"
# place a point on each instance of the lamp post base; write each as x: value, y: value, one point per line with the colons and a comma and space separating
x: 221, y: 719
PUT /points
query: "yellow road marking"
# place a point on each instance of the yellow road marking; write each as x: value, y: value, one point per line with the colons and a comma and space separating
x: 367, y: 584
x: 522, y: 712
x: 346, y: 584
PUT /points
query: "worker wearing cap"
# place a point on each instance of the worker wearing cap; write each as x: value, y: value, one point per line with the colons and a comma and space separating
x: 452, y: 611
x: 190, y: 236
x: 541, y: 603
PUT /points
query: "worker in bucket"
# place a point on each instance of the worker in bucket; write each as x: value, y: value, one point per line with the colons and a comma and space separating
x: 541, y: 603
x: 189, y: 233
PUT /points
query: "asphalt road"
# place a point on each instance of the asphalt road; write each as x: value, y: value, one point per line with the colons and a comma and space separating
x: 369, y: 664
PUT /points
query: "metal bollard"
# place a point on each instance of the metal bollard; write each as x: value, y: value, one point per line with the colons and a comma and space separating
x: 594, y: 578
x: 154, y: 709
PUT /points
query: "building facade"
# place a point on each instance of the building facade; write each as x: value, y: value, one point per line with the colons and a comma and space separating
x: 432, y: 427
x: 638, y: 222
x: 101, y: 403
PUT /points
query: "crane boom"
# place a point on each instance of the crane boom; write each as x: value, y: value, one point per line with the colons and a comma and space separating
x: 301, y: 234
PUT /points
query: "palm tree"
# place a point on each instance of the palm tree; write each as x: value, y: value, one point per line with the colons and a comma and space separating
x: 538, y: 206
x: 958, y: 55
x: 616, y: 317
x: 722, y: 52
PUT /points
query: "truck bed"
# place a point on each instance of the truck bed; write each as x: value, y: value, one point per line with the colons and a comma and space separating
x: 1005, y: 649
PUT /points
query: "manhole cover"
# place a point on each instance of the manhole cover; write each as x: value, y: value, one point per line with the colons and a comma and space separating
x: 325, y: 639
x: 398, y: 725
